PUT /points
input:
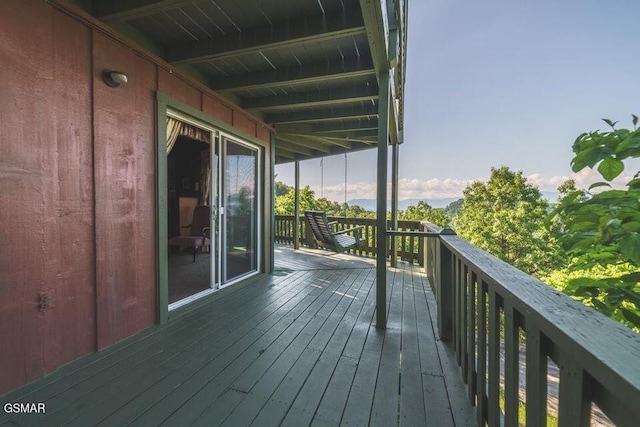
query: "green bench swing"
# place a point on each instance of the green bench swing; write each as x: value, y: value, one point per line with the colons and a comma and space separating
x: 326, y: 237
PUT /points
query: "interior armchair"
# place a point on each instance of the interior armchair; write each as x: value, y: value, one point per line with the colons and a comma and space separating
x: 200, y: 231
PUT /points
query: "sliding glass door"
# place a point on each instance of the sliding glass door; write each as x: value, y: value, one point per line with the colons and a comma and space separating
x: 213, y: 202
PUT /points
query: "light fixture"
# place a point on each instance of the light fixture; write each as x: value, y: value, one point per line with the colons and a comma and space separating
x: 114, y: 78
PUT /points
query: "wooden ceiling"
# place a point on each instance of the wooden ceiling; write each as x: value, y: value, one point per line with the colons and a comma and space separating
x: 308, y: 67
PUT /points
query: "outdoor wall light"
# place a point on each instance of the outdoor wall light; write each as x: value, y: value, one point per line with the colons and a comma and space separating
x: 114, y: 78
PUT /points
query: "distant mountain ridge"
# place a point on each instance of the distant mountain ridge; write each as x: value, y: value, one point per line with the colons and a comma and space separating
x: 370, y: 204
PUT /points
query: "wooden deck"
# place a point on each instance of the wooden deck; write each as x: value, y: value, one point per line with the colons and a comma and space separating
x: 294, y: 348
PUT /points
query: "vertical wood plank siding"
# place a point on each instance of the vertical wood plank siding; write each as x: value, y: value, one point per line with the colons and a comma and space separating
x: 597, y: 357
x: 46, y: 195
x: 77, y: 187
x: 124, y: 157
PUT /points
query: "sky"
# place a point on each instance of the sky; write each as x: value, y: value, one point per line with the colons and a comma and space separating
x: 500, y: 82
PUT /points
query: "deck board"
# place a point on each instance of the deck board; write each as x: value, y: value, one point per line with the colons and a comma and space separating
x: 298, y: 347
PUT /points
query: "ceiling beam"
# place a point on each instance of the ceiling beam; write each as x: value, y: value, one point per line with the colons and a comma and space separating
x: 298, y: 74
x: 349, y: 125
x: 313, y: 98
x: 377, y: 24
x: 368, y: 141
x: 127, y: 10
x: 295, y: 148
x: 320, y: 140
x: 302, y: 142
x: 361, y: 111
x: 355, y: 134
x: 318, y: 28
x: 370, y: 125
x: 284, y: 152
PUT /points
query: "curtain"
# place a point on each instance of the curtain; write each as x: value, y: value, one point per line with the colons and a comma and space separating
x: 205, y: 178
x: 173, y: 131
x: 176, y: 128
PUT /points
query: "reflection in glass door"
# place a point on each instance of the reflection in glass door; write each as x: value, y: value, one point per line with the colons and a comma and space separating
x: 241, y: 210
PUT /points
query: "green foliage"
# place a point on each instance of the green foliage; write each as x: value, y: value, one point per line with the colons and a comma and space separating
x: 601, y: 288
x: 506, y: 217
x: 602, y: 230
x: 454, y: 209
x: 282, y: 189
x: 423, y: 211
x: 285, y: 203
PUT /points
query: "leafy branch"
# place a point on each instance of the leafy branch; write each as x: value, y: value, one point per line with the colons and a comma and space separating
x: 603, y: 229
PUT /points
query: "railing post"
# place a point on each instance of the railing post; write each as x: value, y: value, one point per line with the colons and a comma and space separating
x: 444, y: 286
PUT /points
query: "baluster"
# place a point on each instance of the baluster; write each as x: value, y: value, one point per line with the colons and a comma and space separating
x: 574, y: 405
x: 536, y: 377
x: 493, y: 407
x: 471, y: 278
x: 481, y: 389
x: 511, y: 366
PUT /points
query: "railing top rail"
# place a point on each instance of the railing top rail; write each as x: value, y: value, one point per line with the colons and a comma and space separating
x: 607, y: 350
x: 412, y: 233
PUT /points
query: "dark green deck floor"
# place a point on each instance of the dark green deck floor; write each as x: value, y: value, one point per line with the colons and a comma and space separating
x: 294, y: 348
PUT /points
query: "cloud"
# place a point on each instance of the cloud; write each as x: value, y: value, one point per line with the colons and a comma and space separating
x: 452, y: 187
x: 583, y: 180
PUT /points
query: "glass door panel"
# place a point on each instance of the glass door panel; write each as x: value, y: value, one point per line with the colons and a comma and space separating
x: 241, y: 215
x: 192, y: 200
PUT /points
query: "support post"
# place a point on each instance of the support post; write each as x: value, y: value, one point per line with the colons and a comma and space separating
x: 395, y: 151
x: 272, y: 208
x: 381, y: 203
x: 296, y: 218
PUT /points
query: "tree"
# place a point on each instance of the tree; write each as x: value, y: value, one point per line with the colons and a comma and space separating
x: 506, y: 217
x: 423, y: 211
x: 281, y: 188
x: 453, y: 209
x: 601, y: 231
x: 285, y: 204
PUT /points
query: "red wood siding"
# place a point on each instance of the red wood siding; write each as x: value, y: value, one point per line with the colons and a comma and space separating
x: 217, y: 109
x: 178, y: 89
x: 263, y: 133
x: 124, y: 123
x: 46, y: 196
x: 77, y: 187
x: 241, y: 121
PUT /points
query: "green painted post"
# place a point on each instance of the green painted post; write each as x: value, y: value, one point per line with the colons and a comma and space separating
x: 296, y: 217
x: 395, y: 150
x: 381, y: 213
x: 272, y: 148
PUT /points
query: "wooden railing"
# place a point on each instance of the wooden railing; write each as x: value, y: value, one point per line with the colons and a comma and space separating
x: 410, y: 248
x: 490, y: 311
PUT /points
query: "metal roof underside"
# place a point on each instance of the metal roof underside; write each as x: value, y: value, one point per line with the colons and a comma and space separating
x: 303, y: 66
